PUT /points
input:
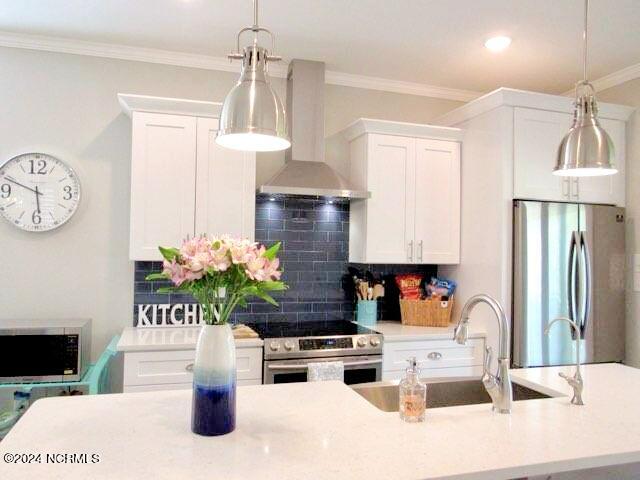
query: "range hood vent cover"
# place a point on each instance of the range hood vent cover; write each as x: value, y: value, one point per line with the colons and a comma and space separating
x: 305, y: 171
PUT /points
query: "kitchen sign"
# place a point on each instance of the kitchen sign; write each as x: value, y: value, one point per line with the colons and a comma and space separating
x: 169, y: 315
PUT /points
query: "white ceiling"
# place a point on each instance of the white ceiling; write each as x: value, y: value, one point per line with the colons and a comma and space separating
x: 435, y: 42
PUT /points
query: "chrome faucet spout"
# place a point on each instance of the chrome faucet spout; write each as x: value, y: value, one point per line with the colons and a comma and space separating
x: 498, y: 386
x: 576, y: 382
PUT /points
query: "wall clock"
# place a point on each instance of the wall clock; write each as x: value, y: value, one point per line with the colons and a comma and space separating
x: 38, y: 192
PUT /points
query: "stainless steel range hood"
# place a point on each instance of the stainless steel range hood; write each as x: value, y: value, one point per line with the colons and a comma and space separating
x: 304, y: 171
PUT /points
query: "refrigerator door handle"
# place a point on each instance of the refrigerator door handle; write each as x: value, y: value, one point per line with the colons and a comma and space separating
x: 586, y: 257
x: 571, y: 284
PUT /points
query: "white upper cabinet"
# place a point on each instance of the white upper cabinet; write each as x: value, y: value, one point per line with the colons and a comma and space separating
x: 391, y: 209
x: 608, y: 189
x: 536, y: 137
x: 437, y: 205
x: 182, y: 182
x: 163, y: 182
x: 225, y: 186
x: 413, y: 215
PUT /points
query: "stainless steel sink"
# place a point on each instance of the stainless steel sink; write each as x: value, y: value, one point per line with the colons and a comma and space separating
x: 440, y: 393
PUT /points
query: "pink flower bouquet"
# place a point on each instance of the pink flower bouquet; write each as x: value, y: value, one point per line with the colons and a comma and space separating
x: 221, y: 273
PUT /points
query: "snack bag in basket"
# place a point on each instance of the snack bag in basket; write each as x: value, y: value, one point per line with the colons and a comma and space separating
x: 409, y: 286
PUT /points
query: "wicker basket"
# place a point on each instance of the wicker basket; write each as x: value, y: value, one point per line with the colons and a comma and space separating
x: 426, y: 313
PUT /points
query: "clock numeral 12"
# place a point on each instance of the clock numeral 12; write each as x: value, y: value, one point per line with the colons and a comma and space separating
x: 41, y: 168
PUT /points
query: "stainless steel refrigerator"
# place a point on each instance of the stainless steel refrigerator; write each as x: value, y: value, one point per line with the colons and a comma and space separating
x: 568, y: 260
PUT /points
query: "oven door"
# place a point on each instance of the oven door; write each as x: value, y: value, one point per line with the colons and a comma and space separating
x: 357, y: 369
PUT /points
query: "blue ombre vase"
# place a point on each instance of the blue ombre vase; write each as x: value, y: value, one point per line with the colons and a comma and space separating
x: 213, y: 410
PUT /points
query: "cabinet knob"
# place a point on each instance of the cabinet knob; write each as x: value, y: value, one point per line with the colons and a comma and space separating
x: 189, y: 368
x: 434, y: 356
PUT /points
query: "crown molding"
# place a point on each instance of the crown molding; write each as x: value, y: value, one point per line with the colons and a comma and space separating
x: 521, y: 98
x: 175, y: 106
x: 208, y: 62
x: 613, y: 79
x: 399, y: 86
x: 415, y: 130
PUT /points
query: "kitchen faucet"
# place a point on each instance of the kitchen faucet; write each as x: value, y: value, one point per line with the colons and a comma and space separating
x: 576, y: 381
x: 498, y: 386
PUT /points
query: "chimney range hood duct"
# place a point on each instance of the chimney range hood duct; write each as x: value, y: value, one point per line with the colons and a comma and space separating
x: 304, y: 171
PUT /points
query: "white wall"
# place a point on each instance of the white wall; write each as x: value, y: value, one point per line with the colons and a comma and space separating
x: 628, y: 93
x: 66, y: 105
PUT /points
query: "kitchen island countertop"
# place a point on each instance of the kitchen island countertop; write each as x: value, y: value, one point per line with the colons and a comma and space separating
x: 325, y: 430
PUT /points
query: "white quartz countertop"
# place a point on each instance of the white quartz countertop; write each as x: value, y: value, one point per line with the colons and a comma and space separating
x: 135, y: 339
x: 397, y: 332
x: 325, y: 430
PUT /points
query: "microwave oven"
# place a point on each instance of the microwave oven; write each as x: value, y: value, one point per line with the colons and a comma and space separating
x: 44, y: 350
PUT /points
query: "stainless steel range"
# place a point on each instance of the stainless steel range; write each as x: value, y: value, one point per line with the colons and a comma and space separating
x: 289, y: 347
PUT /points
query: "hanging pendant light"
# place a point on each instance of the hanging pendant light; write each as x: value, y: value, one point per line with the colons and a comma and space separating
x: 587, y: 150
x: 252, y: 117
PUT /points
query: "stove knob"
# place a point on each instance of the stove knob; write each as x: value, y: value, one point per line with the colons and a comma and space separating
x: 275, y: 346
x: 288, y: 345
x: 375, y: 341
x: 362, y: 342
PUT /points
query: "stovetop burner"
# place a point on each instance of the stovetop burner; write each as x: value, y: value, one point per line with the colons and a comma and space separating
x: 309, y: 329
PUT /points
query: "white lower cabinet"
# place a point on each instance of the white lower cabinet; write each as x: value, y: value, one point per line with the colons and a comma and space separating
x: 436, y: 358
x: 168, y: 369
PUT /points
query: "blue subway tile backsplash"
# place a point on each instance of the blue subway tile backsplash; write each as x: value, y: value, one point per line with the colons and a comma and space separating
x: 314, y: 256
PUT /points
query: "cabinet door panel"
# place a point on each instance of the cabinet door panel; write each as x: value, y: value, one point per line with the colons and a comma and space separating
x: 225, y: 189
x: 163, y: 173
x: 390, y: 210
x: 437, y: 204
x: 537, y: 135
x: 609, y: 189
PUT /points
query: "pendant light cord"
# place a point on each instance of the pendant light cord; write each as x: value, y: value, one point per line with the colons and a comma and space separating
x: 255, y: 28
x: 255, y: 13
x: 584, y: 40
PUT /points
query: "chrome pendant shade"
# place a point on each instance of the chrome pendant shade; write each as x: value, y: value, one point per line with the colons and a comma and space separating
x: 253, y: 117
x: 587, y: 150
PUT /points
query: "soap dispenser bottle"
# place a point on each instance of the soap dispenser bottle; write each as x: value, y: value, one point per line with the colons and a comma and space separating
x: 413, y: 394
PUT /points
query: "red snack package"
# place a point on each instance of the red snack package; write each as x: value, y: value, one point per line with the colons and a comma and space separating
x: 409, y: 285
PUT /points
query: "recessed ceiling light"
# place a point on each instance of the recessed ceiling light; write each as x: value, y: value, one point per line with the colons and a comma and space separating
x: 498, y: 44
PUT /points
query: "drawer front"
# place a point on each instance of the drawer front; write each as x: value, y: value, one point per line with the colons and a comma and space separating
x: 171, y: 367
x: 249, y: 364
x: 433, y: 354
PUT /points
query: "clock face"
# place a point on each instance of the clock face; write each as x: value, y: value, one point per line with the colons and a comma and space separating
x: 38, y: 192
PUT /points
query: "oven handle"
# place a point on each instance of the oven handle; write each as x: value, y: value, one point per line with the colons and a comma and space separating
x: 298, y: 366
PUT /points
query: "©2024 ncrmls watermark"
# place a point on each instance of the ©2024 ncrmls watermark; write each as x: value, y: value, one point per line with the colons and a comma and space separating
x: 51, y: 457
